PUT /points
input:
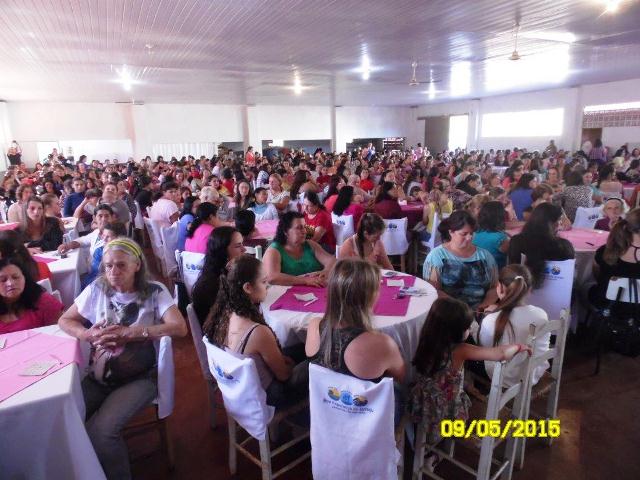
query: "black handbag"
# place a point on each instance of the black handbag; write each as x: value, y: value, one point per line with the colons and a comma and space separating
x: 623, y: 330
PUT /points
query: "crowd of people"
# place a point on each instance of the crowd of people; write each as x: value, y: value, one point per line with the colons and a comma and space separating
x: 478, y: 269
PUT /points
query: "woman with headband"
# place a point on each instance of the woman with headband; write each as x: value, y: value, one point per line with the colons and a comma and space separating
x: 126, y: 314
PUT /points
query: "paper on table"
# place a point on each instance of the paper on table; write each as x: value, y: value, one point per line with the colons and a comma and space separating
x: 305, y: 297
x: 3, y: 341
x: 395, y: 283
x: 35, y: 369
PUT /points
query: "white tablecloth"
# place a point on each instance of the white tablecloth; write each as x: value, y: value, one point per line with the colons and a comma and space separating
x: 291, y: 327
x: 71, y: 227
x: 42, y: 433
x: 66, y: 273
x: 499, y: 170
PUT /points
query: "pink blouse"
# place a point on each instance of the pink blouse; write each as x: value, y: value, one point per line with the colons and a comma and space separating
x: 46, y: 312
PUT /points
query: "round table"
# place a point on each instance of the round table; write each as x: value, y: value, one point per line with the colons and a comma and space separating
x: 413, y: 211
x: 291, y: 326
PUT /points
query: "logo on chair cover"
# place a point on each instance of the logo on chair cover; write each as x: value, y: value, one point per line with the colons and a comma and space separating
x: 347, y: 401
x: 193, y: 266
x: 392, y: 226
x: 554, y: 270
x: 220, y: 373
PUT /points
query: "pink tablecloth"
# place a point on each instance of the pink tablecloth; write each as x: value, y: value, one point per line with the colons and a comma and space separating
x: 24, y: 347
x: 387, y: 304
x: 9, y: 226
x: 413, y: 211
x: 265, y: 230
x: 628, y: 189
x: 582, y: 239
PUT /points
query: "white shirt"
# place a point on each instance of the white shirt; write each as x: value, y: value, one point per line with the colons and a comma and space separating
x: 162, y: 210
x: 93, y: 241
x: 520, y: 319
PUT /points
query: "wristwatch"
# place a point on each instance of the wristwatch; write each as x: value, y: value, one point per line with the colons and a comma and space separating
x: 145, y: 332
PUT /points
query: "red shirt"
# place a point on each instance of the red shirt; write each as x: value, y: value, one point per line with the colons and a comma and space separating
x: 330, y: 202
x: 322, y: 219
x: 229, y: 184
x: 47, y: 309
x: 389, y: 209
x: 367, y: 185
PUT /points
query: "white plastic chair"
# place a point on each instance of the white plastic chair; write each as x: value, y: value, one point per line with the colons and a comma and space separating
x: 156, y: 242
x: 343, y: 227
x: 435, y: 239
x: 549, y: 383
x: 352, y: 433
x: 46, y: 284
x: 395, y: 241
x: 3, y: 211
x: 255, y: 251
x: 201, y: 351
x: 169, y: 236
x: 246, y: 404
x: 190, y: 269
x: 138, y: 223
x: 587, y: 217
x: 499, y: 396
x: 555, y: 293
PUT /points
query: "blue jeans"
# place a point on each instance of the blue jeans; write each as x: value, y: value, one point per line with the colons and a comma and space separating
x: 109, y: 409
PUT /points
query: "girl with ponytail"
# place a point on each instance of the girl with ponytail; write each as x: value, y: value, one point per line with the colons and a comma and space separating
x: 200, y: 228
x: 510, y: 322
x: 236, y: 324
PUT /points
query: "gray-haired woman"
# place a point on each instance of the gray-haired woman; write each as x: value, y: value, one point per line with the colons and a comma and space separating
x: 126, y: 313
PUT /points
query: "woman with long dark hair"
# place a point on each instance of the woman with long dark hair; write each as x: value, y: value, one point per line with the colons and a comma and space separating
x: 521, y: 194
x: 225, y: 245
x: 40, y: 232
x: 386, y: 202
x: 366, y: 243
x: 539, y: 242
x: 317, y: 218
x: 200, y: 229
x: 346, y: 204
x: 336, y: 182
x: 187, y: 215
x: 236, y: 324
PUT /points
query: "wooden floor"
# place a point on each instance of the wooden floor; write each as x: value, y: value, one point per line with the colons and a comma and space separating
x: 600, y: 427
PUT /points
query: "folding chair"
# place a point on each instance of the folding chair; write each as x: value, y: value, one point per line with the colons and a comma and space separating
x: 395, y: 241
x: 587, y: 217
x: 255, y: 251
x: 156, y: 242
x: 554, y: 295
x: 191, y: 264
x: 549, y: 383
x: 169, y: 236
x: 359, y: 415
x: 498, y: 398
x: 212, y: 386
x: 155, y: 416
x: 246, y: 406
x: 342, y: 227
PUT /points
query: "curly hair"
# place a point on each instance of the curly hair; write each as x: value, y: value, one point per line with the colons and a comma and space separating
x: 232, y: 298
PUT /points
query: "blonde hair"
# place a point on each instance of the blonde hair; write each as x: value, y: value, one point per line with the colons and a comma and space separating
x: 208, y: 193
x: 516, y: 279
x: 351, y: 293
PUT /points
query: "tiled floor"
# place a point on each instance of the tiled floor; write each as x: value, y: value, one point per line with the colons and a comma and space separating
x: 600, y: 429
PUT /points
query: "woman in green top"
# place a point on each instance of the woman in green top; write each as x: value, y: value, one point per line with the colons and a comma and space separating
x: 292, y: 259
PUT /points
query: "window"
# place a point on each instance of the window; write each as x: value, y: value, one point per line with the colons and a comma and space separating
x: 612, y: 107
x: 532, y: 123
x: 458, y: 127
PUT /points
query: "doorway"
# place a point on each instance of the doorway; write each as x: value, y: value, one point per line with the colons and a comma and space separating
x: 590, y: 134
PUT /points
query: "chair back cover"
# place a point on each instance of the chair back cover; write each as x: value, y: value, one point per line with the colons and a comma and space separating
x: 352, y: 433
x: 394, y: 237
x: 201, y: 350
x: 166, y: 377
x: 555, y: 293
x: 169, y: 237
x: 342, y: 227
x: 244, y: 398
x: 587, y: 217
x: 191, y: 268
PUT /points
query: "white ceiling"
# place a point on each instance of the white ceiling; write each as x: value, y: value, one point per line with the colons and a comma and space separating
x: 246, y: 51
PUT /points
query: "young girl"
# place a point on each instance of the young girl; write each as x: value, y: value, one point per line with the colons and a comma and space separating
x: 236, y: 325
x: 490, y: 234
x: 437, y: 393
x: 510, y: 323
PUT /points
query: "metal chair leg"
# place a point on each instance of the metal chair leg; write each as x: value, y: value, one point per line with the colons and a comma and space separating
x: 233, y: 457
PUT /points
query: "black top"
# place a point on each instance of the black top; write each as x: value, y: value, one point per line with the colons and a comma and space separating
x: 14, y: 159
x: 619, y: 269
x: 559, y: 249
x: 144, y: 199
x: 203, y: 296
x: 52, y: 237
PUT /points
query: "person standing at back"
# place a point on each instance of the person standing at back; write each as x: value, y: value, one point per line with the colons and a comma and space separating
x: 165, y: 210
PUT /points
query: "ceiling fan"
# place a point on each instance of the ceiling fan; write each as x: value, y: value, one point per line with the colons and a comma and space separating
x: 515, y: 55
x: 414, y: 80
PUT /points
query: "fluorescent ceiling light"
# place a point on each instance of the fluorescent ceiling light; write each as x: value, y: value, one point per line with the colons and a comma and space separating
x: 562, y: 37
x: 612, y: 106
x: 460, y: 83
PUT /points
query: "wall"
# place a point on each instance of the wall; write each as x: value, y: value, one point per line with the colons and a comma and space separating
x: 573, y: 100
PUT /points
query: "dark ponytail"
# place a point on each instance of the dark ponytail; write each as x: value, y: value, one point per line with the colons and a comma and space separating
x: 203, y: 212
x: 456, y: 221
x: 517, y: 280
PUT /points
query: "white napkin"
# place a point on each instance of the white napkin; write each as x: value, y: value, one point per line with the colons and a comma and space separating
x: 305, y: 297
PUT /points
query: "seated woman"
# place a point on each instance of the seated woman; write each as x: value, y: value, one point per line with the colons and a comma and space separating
x: 458, y: 267
x: 277, y: 195
x: 510, y: 323
x: 11, y: 246
x: 16, y: 211
x: 245, y: 222
x: 292, y: 259
x: 576, y: 194
x: 318, y: 219
x: 51, y: 206
x: 608, y: 184
x: 263, y: 209
x: 187, y: 215
x: 347, y: 204
x: 366, y: 243
x: 386, y: 202
x: 436, y: 201
x: 613, y: 210
x: 521, y: 194
x: 620, y: 257
x: 225, y: 245
x: 343, y: 340
x: 236, y: 324
x: 540, y: 242
x: 125, y: 313
x: 243, y: 197
x: 200, y: 229
x: 23, y: 303
x: 40, y: 232
x: 491, y: 233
